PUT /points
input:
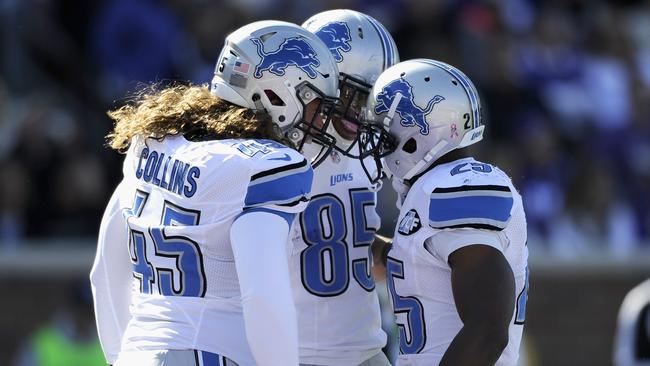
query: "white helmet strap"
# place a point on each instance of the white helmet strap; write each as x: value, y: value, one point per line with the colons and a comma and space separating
x: 391, y: 110
x: 402, y: 188
x: 471, y: 136
x: 428, y: 158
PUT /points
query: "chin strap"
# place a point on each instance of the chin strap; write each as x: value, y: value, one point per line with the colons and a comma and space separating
x: 428, y: 159
x: 391, y: 111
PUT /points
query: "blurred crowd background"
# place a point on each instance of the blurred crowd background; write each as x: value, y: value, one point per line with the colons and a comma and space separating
x: 565, y: 86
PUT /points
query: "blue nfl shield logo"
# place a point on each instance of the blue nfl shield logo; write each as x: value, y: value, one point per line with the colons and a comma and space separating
x: 410, y: 223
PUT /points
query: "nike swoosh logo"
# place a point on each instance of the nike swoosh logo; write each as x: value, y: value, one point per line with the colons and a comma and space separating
x: 286, y: 157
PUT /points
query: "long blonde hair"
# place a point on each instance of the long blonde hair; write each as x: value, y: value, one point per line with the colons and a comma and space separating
x: 189, y: 110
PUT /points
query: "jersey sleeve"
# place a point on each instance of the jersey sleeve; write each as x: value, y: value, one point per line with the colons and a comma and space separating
x: 281, y: 185
x: 269, y: 311
x: 443, y: 243
x: 467, y: 215
x: 111, y: 279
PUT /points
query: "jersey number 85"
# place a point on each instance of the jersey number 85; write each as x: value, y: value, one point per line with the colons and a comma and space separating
x: 324, y: 263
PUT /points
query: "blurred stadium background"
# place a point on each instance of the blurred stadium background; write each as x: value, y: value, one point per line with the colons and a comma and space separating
x: 566, y: 90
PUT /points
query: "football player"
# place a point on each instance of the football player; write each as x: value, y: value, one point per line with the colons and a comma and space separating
x: 338, y: 309
x: 632, y: 338
x: 457, y: 269
x: 191, y: 266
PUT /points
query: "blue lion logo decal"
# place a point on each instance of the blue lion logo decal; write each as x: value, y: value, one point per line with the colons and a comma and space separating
x: 336, y: 35
x: 292, y: 52
x: 410, y: 113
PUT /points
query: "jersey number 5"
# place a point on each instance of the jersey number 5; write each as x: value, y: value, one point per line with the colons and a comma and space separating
x: 522, y: 298
x: 324, y: 263
x: 412, y: 336
x: 172, y: 263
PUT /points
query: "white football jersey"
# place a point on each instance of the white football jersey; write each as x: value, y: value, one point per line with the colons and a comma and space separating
x: 454, y: 205
x: 339, y: 321
x: 179, y: 200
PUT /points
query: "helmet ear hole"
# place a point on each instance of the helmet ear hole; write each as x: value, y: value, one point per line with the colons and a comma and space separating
x: 274, y: 98
x: 410, y: 146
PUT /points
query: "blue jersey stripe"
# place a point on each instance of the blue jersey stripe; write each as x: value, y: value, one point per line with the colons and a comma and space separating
x: 282, y: 190
x: 209, y: 359
x: 285, y: 215
x: 470, y: 208
x: 282, y: 170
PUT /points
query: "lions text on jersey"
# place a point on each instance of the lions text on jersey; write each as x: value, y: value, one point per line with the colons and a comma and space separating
x: 174, y: 209
x: 456, y: 204
x: 338, y: 309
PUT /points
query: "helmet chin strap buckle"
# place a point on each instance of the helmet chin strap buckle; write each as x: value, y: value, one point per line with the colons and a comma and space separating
x: 257, y: 101
x: 428, y: 159
x: 391, y: 110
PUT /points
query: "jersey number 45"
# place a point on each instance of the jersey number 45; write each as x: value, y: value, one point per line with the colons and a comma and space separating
x: 170, y: 265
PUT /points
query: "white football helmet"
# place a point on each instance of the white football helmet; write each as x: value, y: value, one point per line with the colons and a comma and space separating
x: 362, y: 49
x: 280, y: 67
x: 430, y: 108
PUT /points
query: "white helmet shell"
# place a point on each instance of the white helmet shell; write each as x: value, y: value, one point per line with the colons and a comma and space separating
x: 360, y: 45
x: 362, y: 49
x: 266, y: 64
x: 430, y: 108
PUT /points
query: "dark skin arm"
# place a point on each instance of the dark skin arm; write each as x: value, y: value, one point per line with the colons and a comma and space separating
x: 380, y: 248
x: 484, y: 291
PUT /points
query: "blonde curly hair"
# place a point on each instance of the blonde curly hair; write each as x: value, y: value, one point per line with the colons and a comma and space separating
x: 190, y: 110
